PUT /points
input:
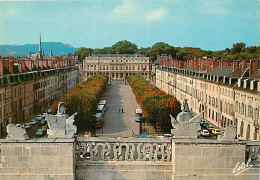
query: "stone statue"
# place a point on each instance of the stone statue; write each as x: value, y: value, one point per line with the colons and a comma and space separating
x: 185, y: 106
x: 173, y: 121
x: 70, y: 128
x: 61, y: 108
x: 16, y: 133
x: 61, y: 125
x: 230, y: 134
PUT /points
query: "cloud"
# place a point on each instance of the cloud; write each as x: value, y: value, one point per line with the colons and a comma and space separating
x: 135, y: 11
x: 157, y: 14
x: 214, y: 7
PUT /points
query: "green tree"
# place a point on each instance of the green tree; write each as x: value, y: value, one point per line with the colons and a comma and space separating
x: 160, y: 48
x: 124, y: 47
x: 181, y: 55
x: 83, y: 52
x: 237, y: 48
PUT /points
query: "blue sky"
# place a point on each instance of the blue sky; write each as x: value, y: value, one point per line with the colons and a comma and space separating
x: 208, y: 24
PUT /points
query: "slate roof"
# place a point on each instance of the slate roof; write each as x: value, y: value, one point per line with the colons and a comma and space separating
x: 237, y: 73
x: 117, y: 55
x: 218, y: 71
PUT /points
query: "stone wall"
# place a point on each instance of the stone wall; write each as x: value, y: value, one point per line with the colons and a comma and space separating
x: 200, y: 159
x: 38, y: 159
x: 136, y: 170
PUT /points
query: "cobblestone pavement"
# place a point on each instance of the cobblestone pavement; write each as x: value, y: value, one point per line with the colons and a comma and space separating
x: 118, y: 96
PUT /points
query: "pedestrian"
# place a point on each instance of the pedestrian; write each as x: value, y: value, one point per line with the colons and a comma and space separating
x: 122, y: 110
x: 119, y: 110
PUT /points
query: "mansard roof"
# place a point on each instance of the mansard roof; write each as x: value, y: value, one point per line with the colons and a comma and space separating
x: 219, y: 71
x: 117, y: 55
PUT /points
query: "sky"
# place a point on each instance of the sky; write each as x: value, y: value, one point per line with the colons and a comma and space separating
x: 207, y: 24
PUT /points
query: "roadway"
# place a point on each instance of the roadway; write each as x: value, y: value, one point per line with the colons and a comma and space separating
x: 118, y: 96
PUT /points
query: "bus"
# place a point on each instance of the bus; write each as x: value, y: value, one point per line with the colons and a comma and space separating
x: 138, y: 115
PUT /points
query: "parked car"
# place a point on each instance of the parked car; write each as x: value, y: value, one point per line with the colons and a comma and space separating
x: 216, y: 131
x: 40, y: 132
x: 45, y: 128
x: 43, y: 122
x: 210, y: 128
x: 204, y: 124
x: 27, y: 125
x: 167, y: 135
x: 40, y: 117
x: 33, y: 122
x: 204, y: 132
x: 49, y: 111
x: 19, y: 125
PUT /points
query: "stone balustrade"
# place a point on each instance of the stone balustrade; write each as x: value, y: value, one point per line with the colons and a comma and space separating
x: 253, y: 153
x: 124, y: 149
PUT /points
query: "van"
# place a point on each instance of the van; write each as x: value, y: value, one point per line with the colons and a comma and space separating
x: 103, y: 102
x: 138, y: 115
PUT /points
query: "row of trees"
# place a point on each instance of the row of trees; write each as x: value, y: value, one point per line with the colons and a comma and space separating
x: 155, y: 103
x: 239, y: 51
x: 83, y: 99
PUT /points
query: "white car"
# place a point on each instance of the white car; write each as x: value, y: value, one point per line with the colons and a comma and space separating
x: 205, y: 132
x: 33, y: 122
x: 27, y: 125
x: 19, y: 125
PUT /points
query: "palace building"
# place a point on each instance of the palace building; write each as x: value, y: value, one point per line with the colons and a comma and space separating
x: 116, y: 66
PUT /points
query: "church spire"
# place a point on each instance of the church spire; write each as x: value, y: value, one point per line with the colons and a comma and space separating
x: 40, y: 47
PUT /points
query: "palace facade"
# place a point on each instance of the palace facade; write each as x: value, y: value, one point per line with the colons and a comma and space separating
x: 116, y: 66
x: 229, y: 93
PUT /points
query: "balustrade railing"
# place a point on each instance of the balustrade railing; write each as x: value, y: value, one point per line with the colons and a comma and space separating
x: 253, y: 153
x: 124, y: 149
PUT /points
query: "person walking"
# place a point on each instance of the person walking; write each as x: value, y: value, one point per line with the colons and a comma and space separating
x: 122, y: 110
x: 119, y: 110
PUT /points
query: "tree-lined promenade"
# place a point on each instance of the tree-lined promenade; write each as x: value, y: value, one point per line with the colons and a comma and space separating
x: 156, y: 105
x: 83, y: 99
x: 238, y: 51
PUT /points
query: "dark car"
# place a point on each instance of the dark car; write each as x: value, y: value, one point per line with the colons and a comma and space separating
x: 204, y: 124
x: 40, y: 132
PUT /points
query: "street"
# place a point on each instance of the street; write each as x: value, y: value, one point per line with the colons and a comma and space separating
x: 118, y: 96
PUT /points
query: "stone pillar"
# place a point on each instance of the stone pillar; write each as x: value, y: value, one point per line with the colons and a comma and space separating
x: 38, y: 159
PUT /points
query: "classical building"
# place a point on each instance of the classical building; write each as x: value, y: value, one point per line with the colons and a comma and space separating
x: 116, y: 66
x: 228, y: 92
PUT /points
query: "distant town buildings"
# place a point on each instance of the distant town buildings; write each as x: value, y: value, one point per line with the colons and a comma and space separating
x: 116, y: 66
x: 30, y: 85
x: 228, y: 92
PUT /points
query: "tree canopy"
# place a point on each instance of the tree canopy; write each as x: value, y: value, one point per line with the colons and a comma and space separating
x: 239, y: 51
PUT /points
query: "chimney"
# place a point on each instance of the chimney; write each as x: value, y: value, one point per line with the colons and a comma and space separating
x: 253, y: 66
x: 224, y: 63
x: 20, y: 69
x: 214, y: 63
x: 181, y: 64
x: 208, y: 64
x: 28, y: 64
x: 1, y: 67
x: 235, y: 64
x: 244, y: 65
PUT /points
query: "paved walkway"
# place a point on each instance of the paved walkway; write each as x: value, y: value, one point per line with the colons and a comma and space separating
x: 118, y: 96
